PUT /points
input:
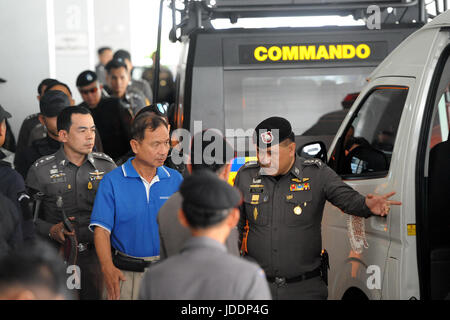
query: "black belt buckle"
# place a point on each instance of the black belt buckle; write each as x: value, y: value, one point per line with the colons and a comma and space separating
x: 280, y: 281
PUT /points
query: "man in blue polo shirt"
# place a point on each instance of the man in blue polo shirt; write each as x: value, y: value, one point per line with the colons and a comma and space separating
x: 127, y: 203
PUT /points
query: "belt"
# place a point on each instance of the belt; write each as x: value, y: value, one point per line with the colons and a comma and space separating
x: 125, y: 262
x: 280, y: 281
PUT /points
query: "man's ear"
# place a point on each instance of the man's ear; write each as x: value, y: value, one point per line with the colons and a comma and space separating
x: 41, y: 119
x: 225, y: 174
x: 182, y: 218
x: 233, y: 218
x: 63, y: 135
x: 292, y: 147
x: 189, y: 168
x: 134, y: 145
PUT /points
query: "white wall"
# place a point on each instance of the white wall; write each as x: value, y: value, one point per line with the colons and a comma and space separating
x: 24, y: 56
x: 59, y: 39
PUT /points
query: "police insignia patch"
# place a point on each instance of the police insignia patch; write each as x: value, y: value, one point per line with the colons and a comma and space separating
x: 267, y: 137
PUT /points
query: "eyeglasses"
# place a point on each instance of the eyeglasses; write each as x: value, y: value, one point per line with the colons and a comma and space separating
x: 92, y: 90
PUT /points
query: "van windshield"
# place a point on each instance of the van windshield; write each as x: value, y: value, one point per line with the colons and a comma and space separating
x: 302, y: 96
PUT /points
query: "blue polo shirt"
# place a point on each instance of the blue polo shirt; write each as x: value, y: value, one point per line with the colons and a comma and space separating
x: 127, y: 207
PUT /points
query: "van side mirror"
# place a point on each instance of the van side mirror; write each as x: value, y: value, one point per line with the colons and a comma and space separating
x: 316, y: 149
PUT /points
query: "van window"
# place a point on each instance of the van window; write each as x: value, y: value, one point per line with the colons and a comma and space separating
x: 254, y: 95
x: 365, y: 148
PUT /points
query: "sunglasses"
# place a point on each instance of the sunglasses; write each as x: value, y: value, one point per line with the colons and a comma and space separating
x: 92, y: 90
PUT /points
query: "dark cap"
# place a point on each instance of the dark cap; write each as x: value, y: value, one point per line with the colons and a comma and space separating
x: 4, y: 114
x: 272, y: 131
x: 52, y: 102
x: 121, y: 55
x: 207, y: 199
x: 86, y: 78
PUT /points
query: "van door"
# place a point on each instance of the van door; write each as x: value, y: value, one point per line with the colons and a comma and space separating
x: 433, y: 186
x: 368, y: 157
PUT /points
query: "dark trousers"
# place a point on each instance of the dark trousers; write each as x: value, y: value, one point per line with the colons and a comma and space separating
x: 311, y: 289
x: 91, y: 276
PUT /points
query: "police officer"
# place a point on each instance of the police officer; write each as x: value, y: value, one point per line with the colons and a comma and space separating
x: 210, y: 211
x: 139, y: 85
x: 13, y: 187
x: 284, y: 196
x: 166, y: 90
x: 118, y: 80
x: 112, y: 119
x: 50, y: 105
x: 74, y: 173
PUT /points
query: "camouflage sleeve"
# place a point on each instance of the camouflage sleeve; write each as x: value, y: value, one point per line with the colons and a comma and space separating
x: 342, y: 195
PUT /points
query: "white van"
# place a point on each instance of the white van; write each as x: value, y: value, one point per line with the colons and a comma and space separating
x: 396, y: 138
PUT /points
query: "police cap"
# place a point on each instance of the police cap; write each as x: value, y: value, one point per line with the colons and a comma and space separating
x: 86, y: 78
x: 207, y: 199
x: 272, y: 131
x: 4, y: 114
x: 52, y: 102
x: 121, y: 55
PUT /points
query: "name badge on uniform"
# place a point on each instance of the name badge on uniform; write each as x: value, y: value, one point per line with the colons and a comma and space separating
x: 255, y: 199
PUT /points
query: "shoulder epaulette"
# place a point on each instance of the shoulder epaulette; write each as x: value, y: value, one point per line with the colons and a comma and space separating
x: 100, y: 155
x: 31, y: 116
x: 43, y: 160
x: 251, y: 164
x: 312, y: 162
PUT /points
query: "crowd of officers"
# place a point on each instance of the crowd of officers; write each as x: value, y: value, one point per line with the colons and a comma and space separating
x: 95, y: 182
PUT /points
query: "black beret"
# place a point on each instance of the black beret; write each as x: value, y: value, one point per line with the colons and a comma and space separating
x: 205, y: 196
x: 86, y: 78
x: 122, y: 55
x: 272, y: 131
x: 52, y: 102
x: 4, y: 114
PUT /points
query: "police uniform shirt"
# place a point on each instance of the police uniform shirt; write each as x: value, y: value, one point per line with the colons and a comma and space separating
x: 143, y: 87
x: 204, y: 271
x: 285, y: 216
x: 27, y: 156
x: 55, y: 175
x: 30, y: 130
x: 112, y: 121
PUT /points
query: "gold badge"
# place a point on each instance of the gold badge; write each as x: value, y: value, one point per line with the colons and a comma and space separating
x: 255, y: 213
x: 89, y: 185
x: 305, y: 179
x: 298, y: 210
x: 289, y: 196
x: 255, y: 198
x: 295, y: 180
x: 69, y: 187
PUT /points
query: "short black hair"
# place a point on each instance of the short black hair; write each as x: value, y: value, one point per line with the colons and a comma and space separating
x: 54, y: 84
x: 115, y: 64
x: 64, y: 121
x: 144, y: 121
x: 45, y: 82
x: 103, y: 49
x: 122, y: 54
x: 32, y: 267
x: 217, y: 161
